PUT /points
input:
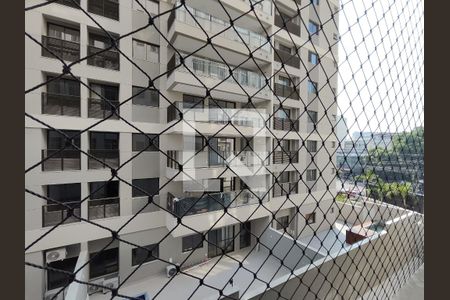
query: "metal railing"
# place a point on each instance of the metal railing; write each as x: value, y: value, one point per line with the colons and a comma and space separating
x: 61, y: 160
x: 285, y: 157
x: 58, y: 48
x: 101, y: 109
x: 70, y: 3
x: 286, y: 91
x: 288, y: 24
x: 210, y: 202
x: 287, y: 58
x: 60, y: 104
x: 108, y: 59
x: 285, y: 124
x: 107, y: 157
x: 106, y: 8
x: 103, y: 208
x: 282, y: 189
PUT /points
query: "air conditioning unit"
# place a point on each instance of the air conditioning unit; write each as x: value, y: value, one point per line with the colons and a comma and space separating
x: 92, y: 289
x: 50, y: 295
x: 171, y: 271
x: 55, y: 255
x: 109, y: 284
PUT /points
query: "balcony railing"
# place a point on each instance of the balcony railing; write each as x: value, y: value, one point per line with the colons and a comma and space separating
x: 65, y: 50
x: 105, y: 8
x: 290, y: 26
x: 103, y: 208
x: 109, y: 59
x: 60, y: 104
x: 101, y: 109
x: 213, y: 201
x: 285, y: 157
x: 285, y: 124
x: 220, y: 28
x: 68, y: 3
x: 53, y: 214
x: 211, y: 159
x: 287, y: 58
x: 264, y: 6
x: 215, y: 70
x: 61, y: 160
x: 282, y: 189
x: 286, y: 91
x: 107, y: 157
x: 239, y: 117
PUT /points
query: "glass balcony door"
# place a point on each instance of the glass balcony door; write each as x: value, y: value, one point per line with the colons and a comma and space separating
x: 221, y: 149
x: 221, y: 238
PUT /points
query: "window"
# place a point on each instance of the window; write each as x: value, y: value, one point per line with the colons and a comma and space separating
x: 283, y: 113
x: 284, y: 48
x: 284, y: 80
x: 152, y: 6
x: 333, y: 171
x: 192, y: 242
x: 333, y: 144
x: 149, y: 185
x: 145, y: 96
x: 63, y: 33
x: 311, y: 175
x: 100, y: 41
x: 63, y: 86
x: 311, y: 146
x: 145, y: 51
x: 64, y: 192
x: 310, y: 218
x: 106, y: 262
x: 58, y: 279
x: 245, y: 235
x: 104, y: 140
x: 283, y: 223
x: 313, y: 28
x: 104, y: 189
x: 312, y: 87
x: 312, y: 116
x: 315, y: 2
x: 313, y: 58
x: 110, y: 92
x: 139, y: 255
x: 105, y: 8
x: 190, y: 101
x: 200, y: 142
x: 145, y: 142
x: 56, y: 140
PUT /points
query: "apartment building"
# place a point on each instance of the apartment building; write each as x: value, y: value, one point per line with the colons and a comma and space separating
x: 278, y: 126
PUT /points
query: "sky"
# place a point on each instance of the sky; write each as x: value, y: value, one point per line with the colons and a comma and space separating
x: 390, y: 60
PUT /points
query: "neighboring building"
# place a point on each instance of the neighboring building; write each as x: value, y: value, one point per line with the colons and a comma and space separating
x: 70, y: 176
x: 341, y: 129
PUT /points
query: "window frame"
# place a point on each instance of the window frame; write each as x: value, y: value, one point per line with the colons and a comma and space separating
x: 98, y: 258
x: 312, y: 54
x: 309, y: 173
x: 145, y: 102
x: 315, y: 25
x: 147, y: 147
x: 147, y: 45
x: 310, y: 218
x: 136, y: 182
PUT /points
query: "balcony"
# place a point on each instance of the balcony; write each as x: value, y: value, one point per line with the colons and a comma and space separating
x: 286, y: 91
x: 220, y: 28
x: 53, y: 214
x: 290, y: 26
x: 106, y: 8
x: 108, y: 59
x: 285, y: 124
x: 60, y: 104
x: 101, y: 109
x: 282, y: 189
x: 287, y: 58
x: 239, y: 117
x: 140, y: 204
x: 109, y: 158
x: 285, y: 157
x: 211, y: 159
x: 61, y: 160
x: 62, y: 49
x: 103, y: 208
x: 209, y: 202
x: 215, y: 75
